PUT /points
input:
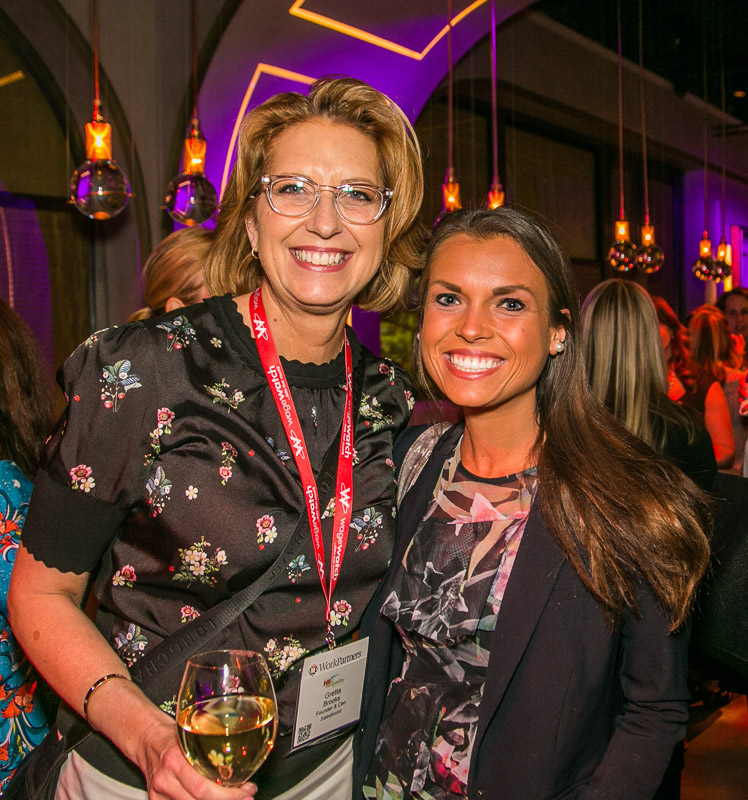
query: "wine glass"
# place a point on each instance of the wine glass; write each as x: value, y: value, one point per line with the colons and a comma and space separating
x: 226, y: 714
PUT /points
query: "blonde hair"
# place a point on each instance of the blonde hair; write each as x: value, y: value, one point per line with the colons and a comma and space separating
x: 623, y: 350
x: 231, y: 267
x: 174, y: 269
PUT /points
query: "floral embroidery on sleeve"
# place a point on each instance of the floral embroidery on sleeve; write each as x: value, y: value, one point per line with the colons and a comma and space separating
x: 191, y: 492
x: 164, y: 418
x: 297, y: 568
x: 159, y: 488
x: 94, y: 337
x: 266, y: 530
x: 124, y: 576
x: 410, y: 400
x: 388, y: 369
x: 373, y: 414
x: 130, y: 644
x: 197, y: 565
x: 220, y: 394
x: 367, y: 528
x: 179, y: 332
x: 116, y: 381
x: 228, y: 457
x: 81, y: 478
x: 216, y: 342
x: 282, y: 658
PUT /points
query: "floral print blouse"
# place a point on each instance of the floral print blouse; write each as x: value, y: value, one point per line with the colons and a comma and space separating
x: 171, y: 469
x: 446, y: 595
x: 22, y: 721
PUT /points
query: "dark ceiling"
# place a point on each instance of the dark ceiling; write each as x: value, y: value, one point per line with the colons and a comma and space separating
x: 680, y: 39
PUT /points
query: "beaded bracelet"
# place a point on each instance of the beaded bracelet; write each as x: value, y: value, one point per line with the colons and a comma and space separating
x: 94, y: 686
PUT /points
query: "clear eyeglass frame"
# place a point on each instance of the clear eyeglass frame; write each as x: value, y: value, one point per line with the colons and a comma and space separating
x: 269, y: 182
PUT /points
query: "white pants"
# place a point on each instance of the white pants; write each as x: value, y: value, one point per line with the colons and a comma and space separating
x: 332, y: 780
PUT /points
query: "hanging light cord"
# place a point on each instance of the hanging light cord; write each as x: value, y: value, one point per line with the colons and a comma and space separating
x: 643, y: 113
x: 724, y: 128
x: 620, y: 114
x: 450, y: 92
x: 494, y: 110
x: 194, y: 60
x: 97, y: 99
x: 706, y: 130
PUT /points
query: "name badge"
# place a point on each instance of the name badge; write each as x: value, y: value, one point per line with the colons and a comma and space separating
x: 330, y: 692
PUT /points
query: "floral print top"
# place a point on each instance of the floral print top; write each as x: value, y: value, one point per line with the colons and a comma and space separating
x: 22, y: 721
x: 445, y: 599
x: 171, y: 469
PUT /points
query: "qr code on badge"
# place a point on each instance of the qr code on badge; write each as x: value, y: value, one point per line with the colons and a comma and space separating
x: 304, y: 733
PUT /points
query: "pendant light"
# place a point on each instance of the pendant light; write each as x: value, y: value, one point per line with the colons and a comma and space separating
x: 496, y: 192
x: 450, y: 187
x: 99, y: 189
x: 191, y: 198
x: 649, y: 257
x: 622, y: 253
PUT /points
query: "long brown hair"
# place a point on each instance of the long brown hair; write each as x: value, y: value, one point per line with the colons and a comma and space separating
x: 231, y: 267
x: 619, y: 511
x: 25, y: 394
x: 680, y: 351
x: 711, y: 344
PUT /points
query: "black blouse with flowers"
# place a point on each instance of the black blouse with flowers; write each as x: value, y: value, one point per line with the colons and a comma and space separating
x: 171, y: 469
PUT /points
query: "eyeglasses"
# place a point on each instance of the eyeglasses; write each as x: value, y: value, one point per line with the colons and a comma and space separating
x: 294, y: 196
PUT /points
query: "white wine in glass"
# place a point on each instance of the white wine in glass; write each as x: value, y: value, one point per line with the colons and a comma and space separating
x: 226, y: 714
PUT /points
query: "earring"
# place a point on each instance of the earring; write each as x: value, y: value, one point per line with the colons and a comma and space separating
x: 255, y: 254
x: 560, y: 346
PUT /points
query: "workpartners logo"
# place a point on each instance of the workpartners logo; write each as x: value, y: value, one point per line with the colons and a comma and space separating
x: 333, y: 680
x: 340, y: 661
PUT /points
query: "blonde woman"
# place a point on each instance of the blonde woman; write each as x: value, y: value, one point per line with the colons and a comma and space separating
x: 626, y: 368
x: 177, y: 482
x: 172, y: 276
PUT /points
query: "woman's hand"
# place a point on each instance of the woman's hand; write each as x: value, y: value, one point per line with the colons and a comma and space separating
x: 168, y: 773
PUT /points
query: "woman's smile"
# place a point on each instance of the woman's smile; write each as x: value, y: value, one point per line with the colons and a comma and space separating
x: 320, y: 259
x: 469, y: 364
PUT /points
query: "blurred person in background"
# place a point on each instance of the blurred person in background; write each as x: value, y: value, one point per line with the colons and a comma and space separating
x: 734, y: 305
x: 25, y: 421
x: 626, y: 368
x: 691, y: 386
x: 714, y: 351
x: 173, y: 274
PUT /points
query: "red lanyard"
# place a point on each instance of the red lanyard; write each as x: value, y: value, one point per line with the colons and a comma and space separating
x: 291, y: 425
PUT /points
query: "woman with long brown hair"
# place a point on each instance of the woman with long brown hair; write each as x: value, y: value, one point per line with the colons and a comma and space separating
x: 530, y: 633
x: 691, y: 386
x: 715, y: 353
x: 25, y: 420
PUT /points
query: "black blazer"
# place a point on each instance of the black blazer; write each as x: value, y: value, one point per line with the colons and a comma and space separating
x: 570, y: 709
